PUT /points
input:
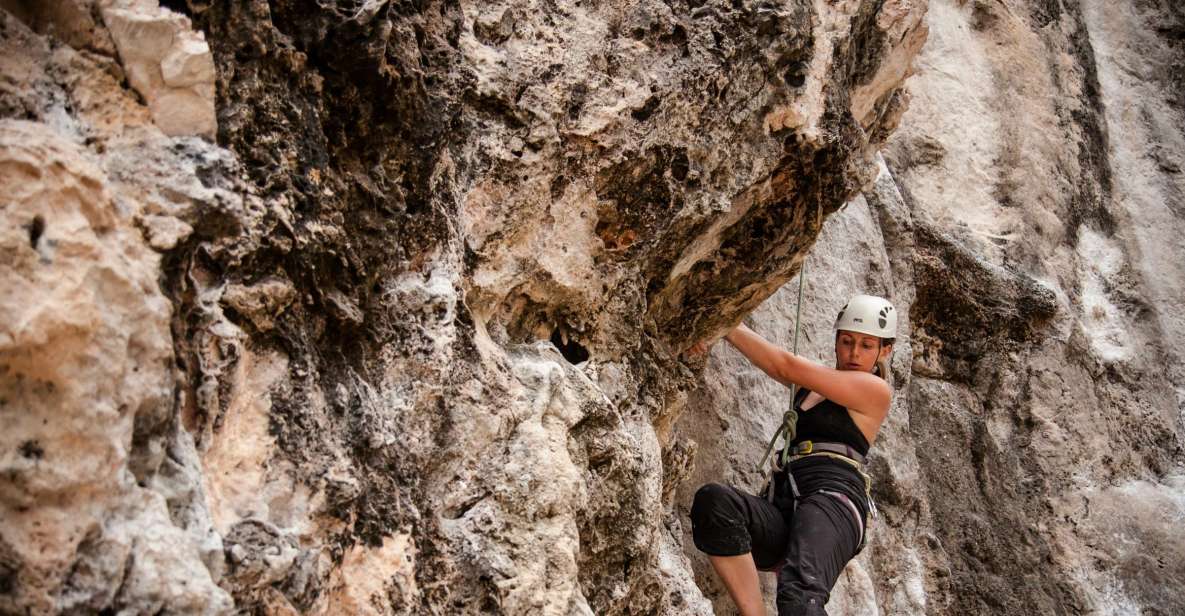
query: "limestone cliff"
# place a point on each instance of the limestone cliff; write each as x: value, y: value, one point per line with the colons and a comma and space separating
x: 1028, y: 223
x: 374, y: 307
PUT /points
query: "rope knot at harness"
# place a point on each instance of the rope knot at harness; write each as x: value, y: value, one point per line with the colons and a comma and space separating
x: 787, y: 431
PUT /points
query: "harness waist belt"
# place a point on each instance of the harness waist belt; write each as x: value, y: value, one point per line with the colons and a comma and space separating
x: 809, y: 447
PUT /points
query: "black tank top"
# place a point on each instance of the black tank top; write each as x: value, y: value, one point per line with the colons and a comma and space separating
x: 828, y: 421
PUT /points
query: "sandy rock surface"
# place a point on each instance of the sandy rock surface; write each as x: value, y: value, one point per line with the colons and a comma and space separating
x: 378, y: 308
x: 87, y: 396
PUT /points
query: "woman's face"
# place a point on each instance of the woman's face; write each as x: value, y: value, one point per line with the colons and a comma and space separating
x: 856, y: 351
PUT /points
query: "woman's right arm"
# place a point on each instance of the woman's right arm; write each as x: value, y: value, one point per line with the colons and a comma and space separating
x: 860, y: 391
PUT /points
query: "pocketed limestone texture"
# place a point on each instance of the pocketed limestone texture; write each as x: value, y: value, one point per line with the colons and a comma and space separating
x: 378, y: 308
x: 426, y: 297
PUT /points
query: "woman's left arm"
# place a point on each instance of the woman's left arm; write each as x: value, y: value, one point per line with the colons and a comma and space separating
x: 862, y: 392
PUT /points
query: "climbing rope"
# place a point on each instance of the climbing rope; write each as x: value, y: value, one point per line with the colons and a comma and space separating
x: 789, y: 428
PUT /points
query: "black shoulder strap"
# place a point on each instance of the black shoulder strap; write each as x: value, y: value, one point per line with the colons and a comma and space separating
x: 800, y: 396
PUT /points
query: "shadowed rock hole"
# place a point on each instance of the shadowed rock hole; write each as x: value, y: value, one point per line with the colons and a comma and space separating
x: 179, y: 6
x: 465, y: 507
x: 790, y: 142
x: 680, y: 165
x: 569, y: 348
x: 36, y: 230
x: 677, y: 37
x: 1172, y: 33
x: 646, y: 110
x: 558, y: 185
x: 32, y: 450
x: 7, y: 579
x: 576, y: 102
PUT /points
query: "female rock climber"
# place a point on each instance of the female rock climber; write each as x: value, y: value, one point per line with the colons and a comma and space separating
x: 814, y: 520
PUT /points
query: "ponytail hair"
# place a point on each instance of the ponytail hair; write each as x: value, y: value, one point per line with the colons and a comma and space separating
x: 881, y: 368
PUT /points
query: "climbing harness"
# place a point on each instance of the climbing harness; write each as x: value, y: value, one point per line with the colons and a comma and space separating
x: 839, y: 452
x: 851, y: 507
x: 843, y: 449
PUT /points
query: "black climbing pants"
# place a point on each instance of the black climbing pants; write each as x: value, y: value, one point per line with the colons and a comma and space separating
x: 811, y: 543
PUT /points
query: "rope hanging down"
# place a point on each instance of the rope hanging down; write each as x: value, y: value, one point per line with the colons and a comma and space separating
x: 789, y: 428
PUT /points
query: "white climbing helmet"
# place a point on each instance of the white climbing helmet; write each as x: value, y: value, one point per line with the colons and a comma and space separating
x: 868, y: 314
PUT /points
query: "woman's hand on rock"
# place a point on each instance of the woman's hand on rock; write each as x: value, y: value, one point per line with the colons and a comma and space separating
x: 698, y: 349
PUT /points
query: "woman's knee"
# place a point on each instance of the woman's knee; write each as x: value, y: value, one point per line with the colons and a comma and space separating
x: 710, y: 496
x: 713, y: 504
x: 718, y: 524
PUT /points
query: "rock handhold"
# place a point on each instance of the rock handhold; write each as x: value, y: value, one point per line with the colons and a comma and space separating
x: 168, y: 63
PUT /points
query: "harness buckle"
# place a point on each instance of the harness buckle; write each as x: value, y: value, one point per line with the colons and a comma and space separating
x: 805, y: 448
